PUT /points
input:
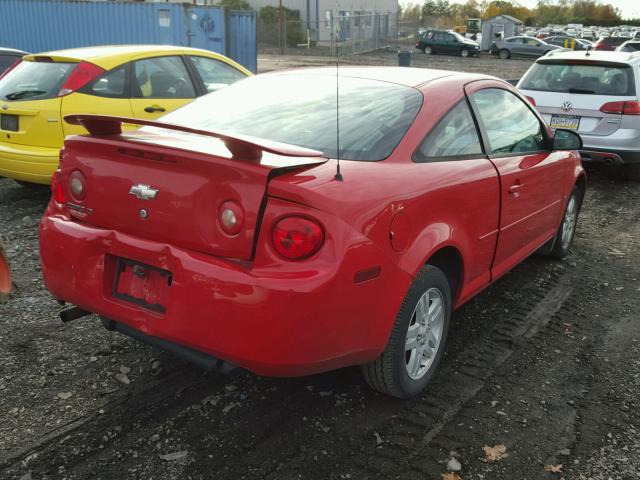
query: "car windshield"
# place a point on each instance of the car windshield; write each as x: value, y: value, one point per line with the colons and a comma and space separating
x: 590, y: 79
x: 34, y: 80
x: 300, y: 109
x: 632, y: 46
x: 459, y: 37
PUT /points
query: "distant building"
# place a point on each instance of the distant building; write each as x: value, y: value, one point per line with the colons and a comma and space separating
x: 503, y: 26
x: 373, y: 15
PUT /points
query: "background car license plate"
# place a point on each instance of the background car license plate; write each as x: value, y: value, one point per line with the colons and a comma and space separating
x: 570, y: 122
x: 142, y: 285
x: 9, y: 122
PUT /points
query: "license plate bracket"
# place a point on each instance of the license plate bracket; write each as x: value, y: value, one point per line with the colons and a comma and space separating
x: 141, y: 284
x: 570, y: 122
x: 9, y: 122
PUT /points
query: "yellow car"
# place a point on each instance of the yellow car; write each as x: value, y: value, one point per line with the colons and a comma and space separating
x: 139, y: 81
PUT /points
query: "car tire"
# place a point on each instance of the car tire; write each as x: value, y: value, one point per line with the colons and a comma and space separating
x: 504, y: 54
x: 560, y: 245
x: 427, y: 50
x: 401, y: 371
x: 464, y: 52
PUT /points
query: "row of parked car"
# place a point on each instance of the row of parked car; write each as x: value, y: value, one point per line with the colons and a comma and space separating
x: 272, y: 226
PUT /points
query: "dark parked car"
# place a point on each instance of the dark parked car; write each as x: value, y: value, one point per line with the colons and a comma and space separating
x: 609, y: 43
x: 8, y: 57
x: 567, y: 42
x: 521, y: 47
x: 452, y: 43
x: 629, y: 46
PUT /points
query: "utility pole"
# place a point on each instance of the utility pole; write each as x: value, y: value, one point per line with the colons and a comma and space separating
x: 281, y: 18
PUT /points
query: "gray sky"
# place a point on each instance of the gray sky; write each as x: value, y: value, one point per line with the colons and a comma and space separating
x: 629, y: 8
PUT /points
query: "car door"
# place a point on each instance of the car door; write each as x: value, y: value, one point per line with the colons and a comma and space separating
x: 160, y: 85
x: 531, y: 175
x: 214, y: 74
x: 108, y: 94
x: 439, y: 43
x: 516, y: 46
x: 451, y: 44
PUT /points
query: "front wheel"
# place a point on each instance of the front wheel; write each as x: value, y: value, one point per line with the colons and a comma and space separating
x: 464, y: 52
x: 561, y: 243
x: 417, y: 340
x: 504, y: 54
x: 427, y: 50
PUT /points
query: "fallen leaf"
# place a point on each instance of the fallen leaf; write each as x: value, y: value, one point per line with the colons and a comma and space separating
x: 451, y: 476
x: 494, y: 454
x: 379, y: 440
x: 553, y: 468
x: 122, y: 378
x: 170, y: 457
x: 64, y: 395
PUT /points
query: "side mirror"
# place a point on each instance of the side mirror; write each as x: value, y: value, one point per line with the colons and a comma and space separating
x: 566, y: 140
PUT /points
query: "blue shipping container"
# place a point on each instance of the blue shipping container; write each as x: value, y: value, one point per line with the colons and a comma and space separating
x: 42, y: 25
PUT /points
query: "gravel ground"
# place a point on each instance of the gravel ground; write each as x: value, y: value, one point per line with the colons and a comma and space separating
x: 545, y: 362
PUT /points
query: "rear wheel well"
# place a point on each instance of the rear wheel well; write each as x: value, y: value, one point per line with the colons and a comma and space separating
x: 449, y: 260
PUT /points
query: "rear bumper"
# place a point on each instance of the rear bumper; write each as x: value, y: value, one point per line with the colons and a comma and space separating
x: 310, y: 320
x: 612, y: 157
x: 27, y: 163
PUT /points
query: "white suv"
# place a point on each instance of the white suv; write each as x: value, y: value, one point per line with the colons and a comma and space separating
x: 596, y: 94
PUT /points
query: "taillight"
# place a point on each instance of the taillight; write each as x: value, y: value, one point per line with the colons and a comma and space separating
x: 77, y: 185
x: 82, y: 74
x: 13, y: 65
x: 296, y: 238
x: 57, y: 192
x: 231, y: 217
x: 622, y: 108
x: 532, y: 100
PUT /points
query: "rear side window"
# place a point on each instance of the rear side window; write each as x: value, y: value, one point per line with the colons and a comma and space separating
x: 454, y: 138
x: 585, y: 78
x: 112, y: 84
x: 215, y: 74
x: 162, y: 77
x: 34, y: 80
x: 510, y: 126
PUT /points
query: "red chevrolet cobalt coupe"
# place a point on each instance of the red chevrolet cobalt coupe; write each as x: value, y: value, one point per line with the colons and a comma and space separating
x: 228, y: 232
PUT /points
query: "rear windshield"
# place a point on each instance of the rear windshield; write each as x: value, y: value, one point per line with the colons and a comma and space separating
x: 300, y: 109
x: 588, y: 79
x: 34, y: 80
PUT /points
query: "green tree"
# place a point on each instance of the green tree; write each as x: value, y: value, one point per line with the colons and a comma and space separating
x: 235, y: 4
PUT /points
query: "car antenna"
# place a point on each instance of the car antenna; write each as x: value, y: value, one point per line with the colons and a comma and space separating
x: 338, y: 175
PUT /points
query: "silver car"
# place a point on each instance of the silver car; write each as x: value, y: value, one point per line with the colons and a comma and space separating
x: 521, y: 47
x: 596, y: 94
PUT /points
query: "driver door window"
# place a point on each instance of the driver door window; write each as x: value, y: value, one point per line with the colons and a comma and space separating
x: 160, y: 85
x: 510, y: 126
x: 162, y: 77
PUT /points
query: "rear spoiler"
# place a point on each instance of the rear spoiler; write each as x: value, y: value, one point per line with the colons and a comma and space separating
x: 241, y: 146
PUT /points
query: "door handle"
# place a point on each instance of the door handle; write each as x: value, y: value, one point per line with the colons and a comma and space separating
x: 152, y: 109
x: 515, y: 189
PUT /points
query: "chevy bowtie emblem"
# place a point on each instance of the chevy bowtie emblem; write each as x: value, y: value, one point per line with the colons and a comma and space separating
x: 143, y: 192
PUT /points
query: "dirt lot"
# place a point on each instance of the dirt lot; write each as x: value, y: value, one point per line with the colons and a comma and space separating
x: 545, y: 362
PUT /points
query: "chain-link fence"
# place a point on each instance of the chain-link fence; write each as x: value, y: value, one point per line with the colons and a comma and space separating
x: 353, y: 33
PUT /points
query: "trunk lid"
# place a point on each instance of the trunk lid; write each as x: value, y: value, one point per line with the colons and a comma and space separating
x: 192, y: 176
x: 30, y: 105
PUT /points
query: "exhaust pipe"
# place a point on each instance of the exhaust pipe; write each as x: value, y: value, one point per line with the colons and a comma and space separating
x: 73, y: 313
